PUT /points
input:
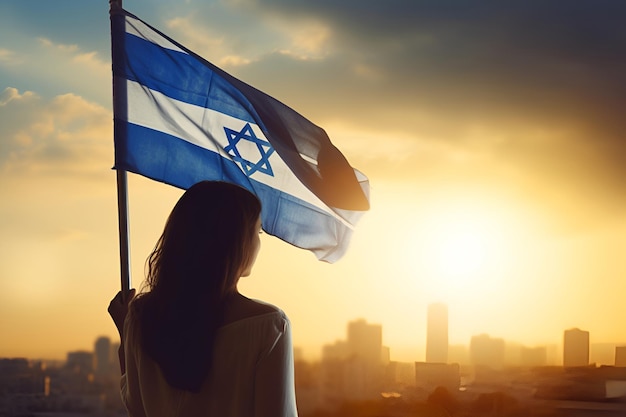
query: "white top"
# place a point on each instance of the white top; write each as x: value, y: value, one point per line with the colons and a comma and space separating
x: 251, y: 375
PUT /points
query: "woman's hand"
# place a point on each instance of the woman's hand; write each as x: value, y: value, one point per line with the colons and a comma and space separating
x: 118, y: 308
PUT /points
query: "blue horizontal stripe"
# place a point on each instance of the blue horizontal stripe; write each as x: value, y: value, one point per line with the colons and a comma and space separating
x: 168, y: 159
x: 184, y: 78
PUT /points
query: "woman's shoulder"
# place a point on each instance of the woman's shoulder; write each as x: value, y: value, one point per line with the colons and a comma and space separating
x: 258, y: 307
x: 242, y: 308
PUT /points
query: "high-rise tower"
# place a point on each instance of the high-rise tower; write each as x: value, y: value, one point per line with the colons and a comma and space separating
x: 575, y: 348
x: 437, y: 333
x: 102, y: 356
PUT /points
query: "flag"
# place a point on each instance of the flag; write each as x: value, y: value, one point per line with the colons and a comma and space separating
x: 179, y: 119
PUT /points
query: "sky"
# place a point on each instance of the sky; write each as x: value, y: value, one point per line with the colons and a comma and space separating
x: 492, y: 134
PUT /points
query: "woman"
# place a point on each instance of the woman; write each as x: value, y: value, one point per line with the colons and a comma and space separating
x: 192, y: 345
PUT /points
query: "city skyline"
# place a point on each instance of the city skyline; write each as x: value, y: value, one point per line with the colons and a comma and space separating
x: 355, y: 371
x: 492, y: 136
x: 366, y: 340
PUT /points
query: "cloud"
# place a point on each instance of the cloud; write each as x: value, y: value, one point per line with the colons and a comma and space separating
x: 52, y: 68
x: 80, y: 60
x: 9, y: 94
x: 521, y: 96
x: 208, y: 43
x: 535, y: 88
x: 8, y: 57
x: 60, y: 47
x: 66, y: 135
x: 214, y: 33
x: 454, y: 54
x: 230, y: 37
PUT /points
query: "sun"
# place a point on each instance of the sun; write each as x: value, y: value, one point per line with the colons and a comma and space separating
x: 464, y: 248
x: 453, y: 248
x: 461, y: 250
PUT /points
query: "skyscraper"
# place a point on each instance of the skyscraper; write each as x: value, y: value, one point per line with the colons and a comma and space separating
x: 365, y: 341
x: 575, y: 348
x: 102, y: 356
x: 437, y: 333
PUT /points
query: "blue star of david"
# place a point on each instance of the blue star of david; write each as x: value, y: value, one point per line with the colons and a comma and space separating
x: 264, y: 147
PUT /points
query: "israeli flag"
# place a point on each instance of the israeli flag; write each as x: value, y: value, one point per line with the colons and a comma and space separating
x: 179, y: 120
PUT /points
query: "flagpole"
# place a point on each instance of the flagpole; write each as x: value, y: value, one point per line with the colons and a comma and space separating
x: 120, y: 109
x: 122, y: 212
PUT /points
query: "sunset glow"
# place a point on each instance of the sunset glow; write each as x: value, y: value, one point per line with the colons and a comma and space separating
x: 493, y: 141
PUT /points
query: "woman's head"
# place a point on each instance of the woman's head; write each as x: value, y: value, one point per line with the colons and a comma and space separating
x: 209, y: 241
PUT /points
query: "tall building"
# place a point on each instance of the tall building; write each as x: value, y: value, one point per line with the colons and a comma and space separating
x: 620, y: 356
x: 437, y: 333
x: 486, y: 351
x: 365, y: 341
x: 575, y: 348
x: 353, y: 369
x: 102, y: 356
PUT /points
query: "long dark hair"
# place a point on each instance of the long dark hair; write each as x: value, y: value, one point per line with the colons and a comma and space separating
x: 195, y: 264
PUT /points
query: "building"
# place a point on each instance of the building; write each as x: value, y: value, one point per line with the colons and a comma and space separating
x: 437, y: 333
x: 486, y: 351
x: 575, y: 348
x: 365, y: 341
x: 400, y: 374
x: 354, y: 369
x: 620, y: 356
x: 602, y: 354
x: 429, y: 376
x: 80, y: 362
x: 534, y: 356
x: 102, y: 356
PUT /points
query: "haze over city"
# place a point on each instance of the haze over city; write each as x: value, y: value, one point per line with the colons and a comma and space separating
x: 492, y: 135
